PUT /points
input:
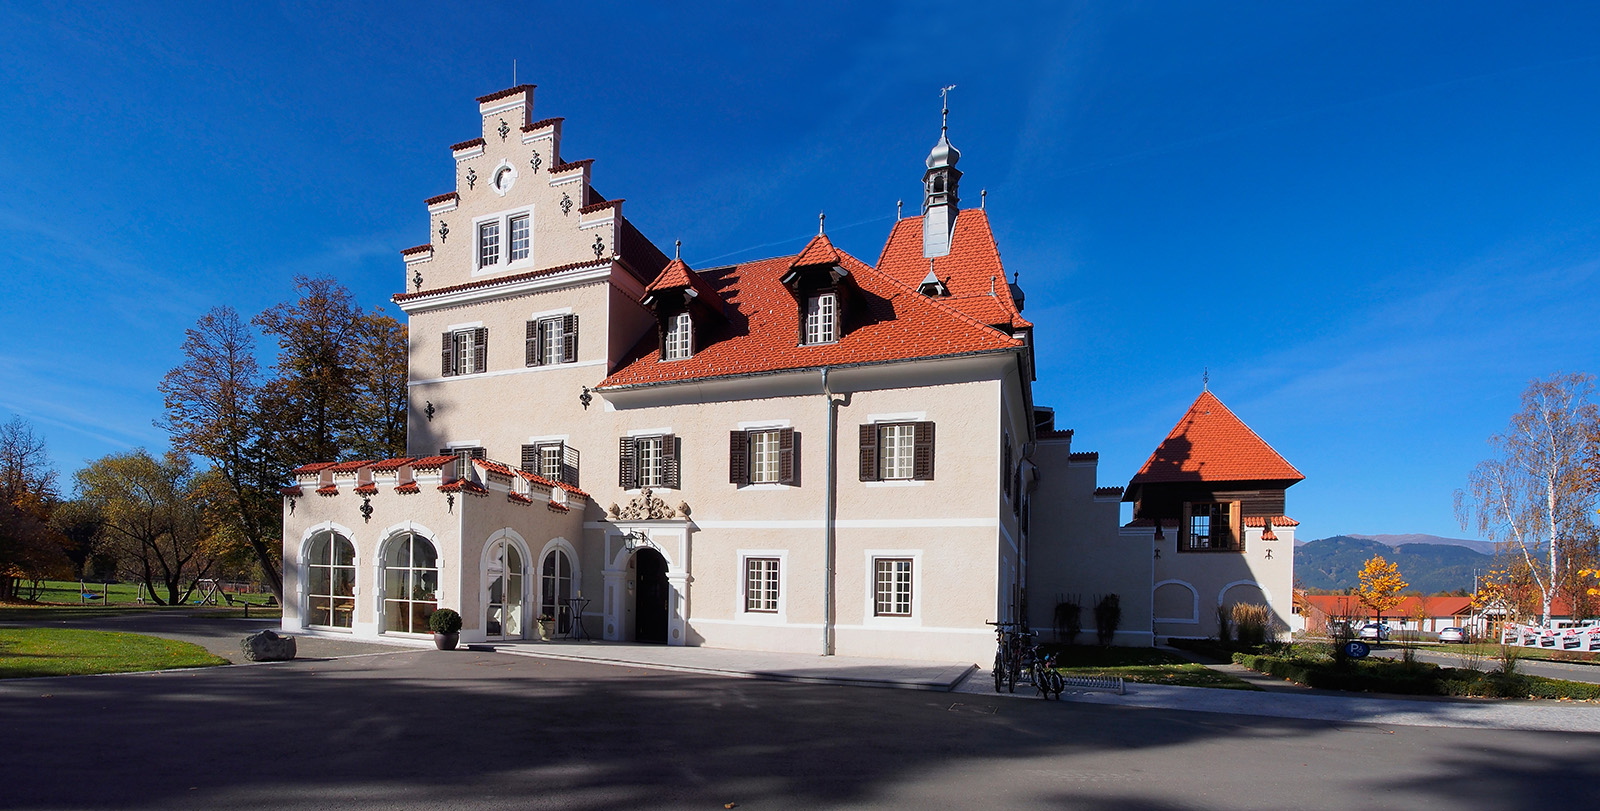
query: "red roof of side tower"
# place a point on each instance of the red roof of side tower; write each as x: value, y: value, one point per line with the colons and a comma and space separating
x: 1210, y: 444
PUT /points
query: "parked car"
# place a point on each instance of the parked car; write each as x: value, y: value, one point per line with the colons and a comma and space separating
x: 1452, y: 635
x: 1340, y: 629
x: 1375, y: 631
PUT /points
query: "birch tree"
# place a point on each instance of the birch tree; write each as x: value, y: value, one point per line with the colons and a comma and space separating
x: 1534, y: 497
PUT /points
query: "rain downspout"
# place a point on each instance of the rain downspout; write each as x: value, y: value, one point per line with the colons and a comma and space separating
x: 829, y: 508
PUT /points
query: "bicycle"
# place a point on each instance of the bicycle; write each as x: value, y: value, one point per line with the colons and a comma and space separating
x: 1046, y: 679
x: 1004, y: 657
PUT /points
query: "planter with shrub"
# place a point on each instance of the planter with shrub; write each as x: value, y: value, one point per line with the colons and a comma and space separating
x: 446, y: 627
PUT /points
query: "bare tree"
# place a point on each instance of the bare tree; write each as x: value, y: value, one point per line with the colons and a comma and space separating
x: 150, y: 514
x: 1534, y: 498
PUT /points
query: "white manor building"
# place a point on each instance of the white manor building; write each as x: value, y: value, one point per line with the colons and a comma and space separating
x: 807, y: 453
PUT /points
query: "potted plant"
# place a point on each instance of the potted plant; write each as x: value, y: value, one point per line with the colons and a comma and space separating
x: 544, y: 627
x: 446, y: 626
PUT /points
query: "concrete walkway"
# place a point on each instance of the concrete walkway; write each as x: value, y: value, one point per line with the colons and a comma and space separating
x: 796, y: 667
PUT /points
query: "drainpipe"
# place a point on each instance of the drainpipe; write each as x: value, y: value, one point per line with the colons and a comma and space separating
x: 829, y: 508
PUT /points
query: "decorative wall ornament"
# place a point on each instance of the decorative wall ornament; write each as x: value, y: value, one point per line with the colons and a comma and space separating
x: 566, y: 203
x: 536, y: 161
x: 444, y: 230
x: 646, y: 507
x: 416, y: 279
x: 472, y: 178
x: 291, y: 505
x: 584, y: 398
x: 366, y: 509
x: 428, y: 410
x: 449, y: 502
x: 599, y: 246
x: 505, y: 129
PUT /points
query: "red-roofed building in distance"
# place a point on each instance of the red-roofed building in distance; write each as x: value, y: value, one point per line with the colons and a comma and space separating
x: 804, y: 453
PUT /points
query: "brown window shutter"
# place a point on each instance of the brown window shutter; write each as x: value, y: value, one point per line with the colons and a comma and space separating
x: 530, y: 458
x: 531, y: 354
x: 738, y: 458
x: 479, y: 453
x: 569, y: 464
x: 922, y: 452
x: 670, y: 463
x: 448, y: 358
x: 869, y: 453
x: 1183, y: 525
x: 480, y: 349
x: 1016, y: 487
x: 1005, y: 466
x: 569, y: 328
x: 1235, y: 527
x: 786, y: 456
x: 627, y: 473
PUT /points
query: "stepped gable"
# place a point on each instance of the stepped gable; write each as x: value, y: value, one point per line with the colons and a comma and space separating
x: 972, y: 270
x: 762, y: 330
x: 1210, y: 444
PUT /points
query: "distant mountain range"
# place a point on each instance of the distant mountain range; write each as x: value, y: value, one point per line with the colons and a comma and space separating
x: 1430, y: 564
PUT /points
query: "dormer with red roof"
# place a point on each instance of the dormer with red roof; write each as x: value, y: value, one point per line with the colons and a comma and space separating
x: 824, y: 291
x: 1211, y: 476
x: 686, y: 309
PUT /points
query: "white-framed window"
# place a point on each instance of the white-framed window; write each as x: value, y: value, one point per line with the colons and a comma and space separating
x: 331, y: 581
x: 551, y: 340
x: 822, y: 318
x: 761, y: 578
x: 764, y: 457
x: 465, y: 351
x: 680, y: 337
x: 410, y: 584
x: 504, y: 240
x: 897, y: 451
x: 464, y: 455
x: 488, y: 243
x: 648, y: 461
x: 555, y: 460
x: 892, y: 587
x: 521, y: 237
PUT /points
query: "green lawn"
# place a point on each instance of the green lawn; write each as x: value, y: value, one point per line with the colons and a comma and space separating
x: 1141, y: 665
x: 32, y: 652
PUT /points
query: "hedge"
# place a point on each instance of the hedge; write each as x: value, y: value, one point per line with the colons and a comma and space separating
x: 1415, y: 679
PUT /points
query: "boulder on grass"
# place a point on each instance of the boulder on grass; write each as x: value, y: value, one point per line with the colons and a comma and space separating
x: 266, y: 646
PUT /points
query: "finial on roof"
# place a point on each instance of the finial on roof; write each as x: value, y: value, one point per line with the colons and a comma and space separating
x: 983, y: 200
x: 944, y: 116
x: 822, y: 218
x: 677, y: 249
x: 1205, y: 379
x: 899, y: 209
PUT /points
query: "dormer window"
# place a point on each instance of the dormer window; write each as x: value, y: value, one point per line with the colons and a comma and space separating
x: 680, y: 338
x: 822, y: 319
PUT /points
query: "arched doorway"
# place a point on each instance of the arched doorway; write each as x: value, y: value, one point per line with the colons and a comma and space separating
x: 650, y: 596
x: 555, y: 591
x: 504, y: 608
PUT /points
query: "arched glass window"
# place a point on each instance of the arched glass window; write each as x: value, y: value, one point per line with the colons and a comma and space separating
x: 410, y: 584
x: 556, y: 591
x: 505, y: 576
x: 330, y: 581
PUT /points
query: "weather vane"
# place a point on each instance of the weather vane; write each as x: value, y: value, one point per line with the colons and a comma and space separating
x: 944, y: 93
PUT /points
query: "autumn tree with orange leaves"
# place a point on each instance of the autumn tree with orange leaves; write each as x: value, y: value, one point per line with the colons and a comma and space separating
x: 1380, y: 586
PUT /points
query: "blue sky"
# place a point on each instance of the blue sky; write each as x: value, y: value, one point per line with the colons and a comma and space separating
x: 1374, y: 224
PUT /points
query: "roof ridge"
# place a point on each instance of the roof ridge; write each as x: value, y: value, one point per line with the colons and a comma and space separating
x: 935, y: 302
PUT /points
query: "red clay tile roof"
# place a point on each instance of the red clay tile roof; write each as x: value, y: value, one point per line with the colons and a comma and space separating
x: 440, y: 198
x: 464, y: 486
x: 557, y: 508
x: 550, y: 483
x: 1255, y: 521
x: 408, y: 488
x: 515, y: 277
x: 819, y: 251
x: 510, y: 91
x: 390, y: 464
x: 430, y: 462
x: 500, y: 469
x: 564, y: 167
x: 330, y: 490
x: 675, y: 275
x: 518, y: 498
x: 603, y: 204
x: 542, y: 123
x: 417, y: 249
x: 1084, y: 456
x: 314, y: 467
x: 972, y: 270
x: 1210, y: 444
x: 351, y: 466
x: 1341, y: 604
x: 762, y: 330
x: 367, y: 489
x: 291, y: 490
x: 466, y: 144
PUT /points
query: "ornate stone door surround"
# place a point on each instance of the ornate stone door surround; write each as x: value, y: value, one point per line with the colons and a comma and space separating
x: 647, y: 521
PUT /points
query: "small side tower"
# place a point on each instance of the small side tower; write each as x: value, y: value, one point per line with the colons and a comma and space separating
x: 940, y: 201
